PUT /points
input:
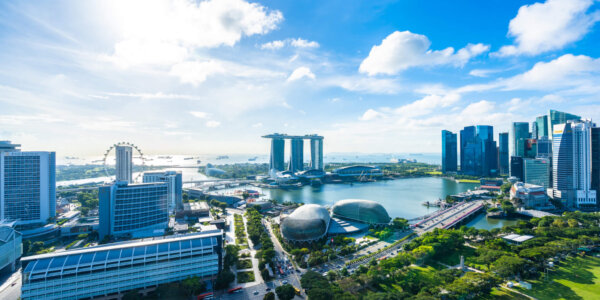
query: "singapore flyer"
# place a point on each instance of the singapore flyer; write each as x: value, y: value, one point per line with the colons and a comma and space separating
x: 109, y: 159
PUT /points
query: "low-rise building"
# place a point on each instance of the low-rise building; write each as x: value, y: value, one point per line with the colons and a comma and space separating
x: 11, y: 247
x: 516, y: 239
x: 530, y: 195
x: 194, y: 210
x: 110, y: 270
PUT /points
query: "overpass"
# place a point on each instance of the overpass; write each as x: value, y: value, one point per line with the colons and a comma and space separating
x: 449, y: 217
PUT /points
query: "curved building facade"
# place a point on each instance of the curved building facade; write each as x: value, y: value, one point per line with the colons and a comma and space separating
x: 365, y: 211
x: 358, y: 170
x: 307, y: 223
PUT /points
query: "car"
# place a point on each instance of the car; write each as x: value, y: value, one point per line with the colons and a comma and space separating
x: 255, y: 293
x: 297, y: 271
x: 285, y: 282
x: 268, y: 289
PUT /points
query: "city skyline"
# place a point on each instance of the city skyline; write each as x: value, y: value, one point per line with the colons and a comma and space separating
x: 379, y: 77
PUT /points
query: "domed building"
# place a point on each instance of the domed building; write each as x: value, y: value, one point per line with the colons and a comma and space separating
x: 307, y: 223
x: 364, y: 211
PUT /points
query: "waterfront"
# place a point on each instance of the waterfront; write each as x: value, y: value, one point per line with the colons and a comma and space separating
x: 481, y: 221
x: 401, y: 197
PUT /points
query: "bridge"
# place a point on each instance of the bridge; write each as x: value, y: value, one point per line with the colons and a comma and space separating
x: 535, y: 213
x: 449, y: 217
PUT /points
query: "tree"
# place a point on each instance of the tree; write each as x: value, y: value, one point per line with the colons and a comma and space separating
x: 26, y: 246
x: 132, y: 295
x: 269, y: 296
x: 36, y: 246
x: 193, y: 286
x: 507, y: 266
x: 285, y: 292
x: 224, y: 279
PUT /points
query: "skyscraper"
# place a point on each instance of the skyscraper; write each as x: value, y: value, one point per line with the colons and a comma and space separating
x: 27, y: 185
x: 516, y: 167
x: 449, y: 151
x: 596, y: 160
x: 478, y: 151
x: 520, y: 132
x: 297, y: 155
x: 124, y: 164
x: 534, y: 130
x: 544, y: 148
x: 542, y: 126
x: 572, y: 165
x: 175, y: 186
x: 277, y: 154
x: 558, y: 117
x: 537, y: 171
x: 316, y: 154
x: 133, y: 210
x: 503, y: 153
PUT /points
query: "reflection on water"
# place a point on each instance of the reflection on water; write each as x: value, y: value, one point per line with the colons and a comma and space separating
x: 483, y: 222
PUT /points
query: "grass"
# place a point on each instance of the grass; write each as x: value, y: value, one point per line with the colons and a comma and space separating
x: 575, y: 278
x: 468, y: 181
x: 503, y: 294
x: 243, y: 277
x: 454, y: 258
x: 244, y: 264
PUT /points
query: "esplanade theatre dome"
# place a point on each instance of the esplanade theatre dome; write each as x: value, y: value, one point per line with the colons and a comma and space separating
x: 365, y: 211
x: 307, y: 223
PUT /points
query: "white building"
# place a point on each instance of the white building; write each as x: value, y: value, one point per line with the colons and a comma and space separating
x: 531, y: 195
x: 124, y: 163
x: 174, y: 185
x: 27, y: 185
x: 110, y: 270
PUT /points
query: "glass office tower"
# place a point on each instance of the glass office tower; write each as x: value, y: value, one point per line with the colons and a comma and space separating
x: 520, y: 132
x: 449, y: 152
x: 558, y: 117
x: 503, y: 154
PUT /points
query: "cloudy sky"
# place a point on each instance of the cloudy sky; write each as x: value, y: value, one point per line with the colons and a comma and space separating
x: 213, y: 76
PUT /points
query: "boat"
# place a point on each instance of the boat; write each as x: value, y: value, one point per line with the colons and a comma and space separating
x: 165, y: 157
x: 222, y: 157
x: 252, y: 158
x: 198, y: 161
x: 188, y: 158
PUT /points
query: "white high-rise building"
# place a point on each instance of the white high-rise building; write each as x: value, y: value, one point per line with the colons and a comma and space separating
x: 124, y: 164
x: 27, y: 185
x: 174, y: 183
x: 582, y: 164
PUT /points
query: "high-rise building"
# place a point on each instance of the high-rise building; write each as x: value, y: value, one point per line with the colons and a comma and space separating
x: 27, y: 185
x: 558, y: 117
x: 542, y: 126
x: 537, y: 171
x: 596, y: 160
x: 175, y: 186
x: 544, y: 147
x: 108, y: 271
x: 124, y: 163
x: 135, y: 210
x: 503, y: 155
x: 449, y: 151
x: 534, y: 130
x: 297, y: 155
x: 277, y: 154
x: 516, y: 167
x: 316, y: 154
x: 467, y: 136
x: 530, y: 148
x: 520, y: 132
x: 572, y: 165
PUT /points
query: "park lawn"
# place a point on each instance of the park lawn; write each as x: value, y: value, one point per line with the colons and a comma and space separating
x: 434, y: 173
x: 243, y: 277
x: 244, y: 264
x: 575, y: 278
x: 503, y: 294
x: 468, y: 181
x: 425, y: 273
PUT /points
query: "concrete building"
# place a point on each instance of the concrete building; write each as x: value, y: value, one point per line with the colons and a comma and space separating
x: 530, y: 195
x: 558, y: 117
x: 296, y: 162
x: 27, y: 185
x: 11, y: 247
x: 124, y: 163
x: 194, y: 210
x: 503, y: 154
x: 316, y: 154
x: 133, y: 210
x: 449, y: 152
x: 537, y: 171
x: 175, y: 186
x: 358, y: 171
x: 112, y: 269
x: 516, y: 167
x: 596, y: 161
x: 277, y: 154
x: 520, y: 132
x: 572, y: 165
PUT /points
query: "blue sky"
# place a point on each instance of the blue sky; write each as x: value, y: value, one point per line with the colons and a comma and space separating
x: 213, y: 76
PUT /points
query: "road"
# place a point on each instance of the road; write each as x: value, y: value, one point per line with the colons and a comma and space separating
x: 447, y: 216
x: 10, y: 286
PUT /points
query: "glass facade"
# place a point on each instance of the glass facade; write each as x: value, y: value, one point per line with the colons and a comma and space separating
x: 503, y: 153
x: 316, y: 154
x: 558, y: 117
x: 116, y: 268
x: 562, y: 162
x: 297, y: 155
x: 277, y: 154
x: 174, y: 182
x: 126, y: 209
x: 596, y: 160
x: 542, y: 126
x: 516, y: 167
x: 449, y: 151
x: 537, y: 171
x: 478, y: 152
x: 520, y: 132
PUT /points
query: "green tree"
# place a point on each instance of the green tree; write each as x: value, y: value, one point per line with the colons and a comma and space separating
x: 507, y: 266
x: 269, y: 296
x: 224, y: 279
x: 285, y: 292
x: 193, y: 286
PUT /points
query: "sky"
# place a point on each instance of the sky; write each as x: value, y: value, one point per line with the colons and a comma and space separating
x: 200, y: 77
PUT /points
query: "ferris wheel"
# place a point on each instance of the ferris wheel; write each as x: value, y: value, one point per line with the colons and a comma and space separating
x: 137, y: 159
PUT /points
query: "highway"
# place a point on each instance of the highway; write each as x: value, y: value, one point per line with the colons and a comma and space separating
x: 448, y: 217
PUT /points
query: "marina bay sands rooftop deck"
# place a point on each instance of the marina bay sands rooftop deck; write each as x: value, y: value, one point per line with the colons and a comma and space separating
x: 285, y: 136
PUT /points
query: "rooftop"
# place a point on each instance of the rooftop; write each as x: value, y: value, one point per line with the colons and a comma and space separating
x: 517, y: 238
x: 285, y: 136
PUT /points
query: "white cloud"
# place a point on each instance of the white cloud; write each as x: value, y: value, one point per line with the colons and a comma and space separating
x: 565, y: 71
x: 370, y: 114
x: 301, y: 72
x: 364, y: 84
x: 297, y: 43
x: 427, y: 104
x: 165, y: 32
x: 273, y: 45
x: 257, y: 125
x: 196, y: 72
x: 542, y: 27
x: 199, y: 114
x: 213, y: 124
x: 402, y: 50
x: 483, y: 72
x: 302, y: 43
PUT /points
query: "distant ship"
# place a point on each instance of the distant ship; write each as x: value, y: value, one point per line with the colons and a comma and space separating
x: 188, y: 158
x: 71, y: 157
x: 253, y: 158
x: 165, y: 157
x: 222, y: 157
x: 198, y: 161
